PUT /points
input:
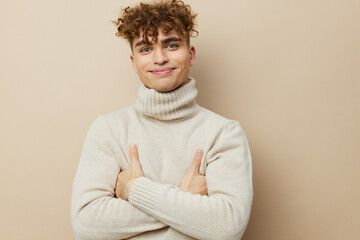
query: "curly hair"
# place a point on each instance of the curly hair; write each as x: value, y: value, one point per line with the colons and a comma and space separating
x: 167, y: 15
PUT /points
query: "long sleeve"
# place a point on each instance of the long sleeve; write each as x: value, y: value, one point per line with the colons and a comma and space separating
x: 223, y: 214
x: 95, y: 212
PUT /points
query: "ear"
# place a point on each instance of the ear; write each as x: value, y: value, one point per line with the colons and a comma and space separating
x: 133, y: 62
x: 192, y: 55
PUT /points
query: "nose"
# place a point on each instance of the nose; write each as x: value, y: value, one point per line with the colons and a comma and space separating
x: 160, y: 56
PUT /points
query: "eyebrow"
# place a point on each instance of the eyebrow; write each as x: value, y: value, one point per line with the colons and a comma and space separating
x: 163, y: 41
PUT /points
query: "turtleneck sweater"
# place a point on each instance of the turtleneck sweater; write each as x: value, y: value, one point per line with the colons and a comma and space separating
x: 167, y: 129
x: 177, y: 104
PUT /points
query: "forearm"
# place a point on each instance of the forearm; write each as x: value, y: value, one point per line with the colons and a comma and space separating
x: 108, y: 218
x: 201, y: 217
x: 97, y: 214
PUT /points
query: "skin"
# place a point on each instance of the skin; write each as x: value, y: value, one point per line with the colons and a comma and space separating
x: 163, y: 66
x: 193, y: 181
x: 126, y: 178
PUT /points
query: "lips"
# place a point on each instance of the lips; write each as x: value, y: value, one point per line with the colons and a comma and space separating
x: 162, y: 71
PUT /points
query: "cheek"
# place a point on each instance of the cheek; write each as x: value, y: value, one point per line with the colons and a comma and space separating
x: 139, y: 66
x: 184, y: 61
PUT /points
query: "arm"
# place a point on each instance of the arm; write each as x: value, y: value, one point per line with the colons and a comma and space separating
x: 224, y: 213
x: 192, y: 182
x: 95, y: 212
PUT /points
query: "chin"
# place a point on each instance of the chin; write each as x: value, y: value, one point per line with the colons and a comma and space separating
x: 165, y: 87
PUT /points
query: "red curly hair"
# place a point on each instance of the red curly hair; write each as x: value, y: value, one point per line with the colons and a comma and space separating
x: 165, y: 14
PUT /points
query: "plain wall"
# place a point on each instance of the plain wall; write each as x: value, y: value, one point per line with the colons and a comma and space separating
x: 289, y: 71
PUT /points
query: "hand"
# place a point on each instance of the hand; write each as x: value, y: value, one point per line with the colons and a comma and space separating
x: 127, y: 177
x: 193, y: 181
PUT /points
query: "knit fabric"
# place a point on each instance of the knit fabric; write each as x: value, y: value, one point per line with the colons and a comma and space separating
x: 167, y: 106
x: 167, y: 129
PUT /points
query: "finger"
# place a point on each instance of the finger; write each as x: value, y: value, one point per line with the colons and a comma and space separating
x: 134, y: 157
x: 197, y: 160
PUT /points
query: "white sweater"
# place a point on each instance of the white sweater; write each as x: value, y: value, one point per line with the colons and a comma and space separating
x: 167, y: 129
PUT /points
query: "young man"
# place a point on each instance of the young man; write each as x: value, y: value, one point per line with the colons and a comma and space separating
x: 164, y: 168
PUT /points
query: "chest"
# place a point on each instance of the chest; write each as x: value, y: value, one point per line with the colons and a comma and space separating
x: 165, y: 152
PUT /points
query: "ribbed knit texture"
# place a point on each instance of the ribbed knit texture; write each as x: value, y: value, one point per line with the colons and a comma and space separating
x: 167, y: 129
x: 179, y: 103
x: 148, y: 186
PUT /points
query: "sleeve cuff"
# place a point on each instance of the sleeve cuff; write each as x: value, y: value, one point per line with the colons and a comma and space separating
x: 144, y: 193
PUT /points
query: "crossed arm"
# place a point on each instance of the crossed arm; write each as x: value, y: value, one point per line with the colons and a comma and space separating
x: 192, y: 182
x: 188, y: 209
x: 221, y: 214
x: 100, y: 214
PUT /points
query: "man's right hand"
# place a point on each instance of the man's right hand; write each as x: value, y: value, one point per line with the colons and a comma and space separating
x: 127, y: 177
x: 193, y: 181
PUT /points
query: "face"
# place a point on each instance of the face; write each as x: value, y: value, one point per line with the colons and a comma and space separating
x: 164, y: 65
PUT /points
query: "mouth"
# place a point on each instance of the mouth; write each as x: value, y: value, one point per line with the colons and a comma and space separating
x: 162, y: 71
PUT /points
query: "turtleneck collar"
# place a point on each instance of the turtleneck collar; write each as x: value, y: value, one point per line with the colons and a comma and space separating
x: 176, y: 104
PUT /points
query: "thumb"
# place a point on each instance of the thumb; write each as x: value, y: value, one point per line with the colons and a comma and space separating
x: 134, y: 157
x: 195, y: 166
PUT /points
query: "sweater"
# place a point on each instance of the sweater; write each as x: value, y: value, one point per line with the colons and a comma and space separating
x: 167, y: 129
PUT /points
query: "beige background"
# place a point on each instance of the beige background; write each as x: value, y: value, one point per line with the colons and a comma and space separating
x: 288, y: 70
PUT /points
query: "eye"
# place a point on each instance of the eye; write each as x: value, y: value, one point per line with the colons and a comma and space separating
x: 145, y: 50
x: 172, y: 46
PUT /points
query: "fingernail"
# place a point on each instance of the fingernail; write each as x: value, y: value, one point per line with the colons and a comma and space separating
x: 199, y: 152
x: 132, y: 146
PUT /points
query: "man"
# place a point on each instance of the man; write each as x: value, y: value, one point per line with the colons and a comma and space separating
x: 164, y: 168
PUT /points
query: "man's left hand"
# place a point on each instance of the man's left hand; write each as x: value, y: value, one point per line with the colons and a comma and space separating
x: 193, y: 181
x: 127, y: 177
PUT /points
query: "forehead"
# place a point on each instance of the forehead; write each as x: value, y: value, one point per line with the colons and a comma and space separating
x: 161, y: 36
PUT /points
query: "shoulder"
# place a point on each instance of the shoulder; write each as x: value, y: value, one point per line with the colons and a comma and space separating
x: 215, y: 120
x: 226, y: 133
x: 122, y: 114
x: 110, y: 122
x: 119, y: 118
x: 229, y: 140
